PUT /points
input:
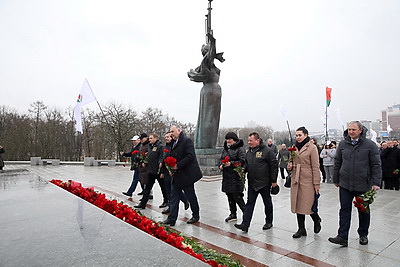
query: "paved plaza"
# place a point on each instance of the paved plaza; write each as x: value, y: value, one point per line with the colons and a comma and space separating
x: 274, y: 247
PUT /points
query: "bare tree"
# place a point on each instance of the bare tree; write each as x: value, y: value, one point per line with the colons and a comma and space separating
x: 36, y: 109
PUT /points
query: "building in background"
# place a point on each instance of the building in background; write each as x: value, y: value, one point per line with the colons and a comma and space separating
x: 391, y: 122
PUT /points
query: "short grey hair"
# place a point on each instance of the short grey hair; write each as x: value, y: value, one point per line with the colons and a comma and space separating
x: 360, y: 126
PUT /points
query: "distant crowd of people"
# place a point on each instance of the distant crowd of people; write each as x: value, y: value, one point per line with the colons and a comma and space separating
x: 356, y: 165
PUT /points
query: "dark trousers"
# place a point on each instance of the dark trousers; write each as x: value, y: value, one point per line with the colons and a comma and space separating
x: 346, y: 205
x: 252, y: 195
x: 391, y: 183
x: 235, y: 199
x: 175, y: 196
x: 151, y: 179
x: 135, y: 181
x: 167, y: 181
x: 282, y: 172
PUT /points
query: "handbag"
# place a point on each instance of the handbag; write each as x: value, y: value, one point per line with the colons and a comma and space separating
x: 288, y: 181
x: 275, y: 190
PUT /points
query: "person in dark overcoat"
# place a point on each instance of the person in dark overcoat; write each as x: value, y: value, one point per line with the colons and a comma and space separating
x: 184, y: 174
x: 232, y: 184
x: 391, y: 156
x: 1, y: 160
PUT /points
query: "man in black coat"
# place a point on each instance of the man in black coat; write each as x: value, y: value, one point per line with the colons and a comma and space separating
x: 154, y: 157
x: 391, y: 156
x: 184, y: 174
x: 134, y: 154
x: 262, y: 172
x: 357, y: 170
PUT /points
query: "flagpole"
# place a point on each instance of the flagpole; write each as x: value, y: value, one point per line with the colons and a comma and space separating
x: 105, y: 118
x: 290, y: 133
x: 326, y: 124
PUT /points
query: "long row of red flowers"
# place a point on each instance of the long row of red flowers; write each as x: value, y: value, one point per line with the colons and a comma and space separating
x: 129, y: 215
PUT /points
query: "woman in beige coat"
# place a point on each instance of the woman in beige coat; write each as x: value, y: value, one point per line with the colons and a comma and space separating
x: 305, y: 181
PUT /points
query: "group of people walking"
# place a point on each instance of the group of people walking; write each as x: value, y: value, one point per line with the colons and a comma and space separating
x: 354, y: 166
x: 176, y: 182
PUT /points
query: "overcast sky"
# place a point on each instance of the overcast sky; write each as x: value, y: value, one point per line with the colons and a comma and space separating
x: 138, y: 52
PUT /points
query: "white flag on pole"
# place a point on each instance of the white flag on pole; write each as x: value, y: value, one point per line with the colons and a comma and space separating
x: 86, y: 96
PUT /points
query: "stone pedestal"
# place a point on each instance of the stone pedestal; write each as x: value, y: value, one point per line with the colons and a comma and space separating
x: 88, y: 161
x: 209, y: 160
x: 35, y: 161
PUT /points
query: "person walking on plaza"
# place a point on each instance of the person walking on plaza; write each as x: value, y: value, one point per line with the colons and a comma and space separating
x: 185, y: 173
x: 167, y: 177
x: 154, y: 157
x: 357, y: 170
x: 262, y: 171
x: 283, y: 158
x: 271, y: 145
x: 134, y: 165
x: 143, y: 174
x: 232, y: 183
x: 391, y: 156
x: 305, y: 184
x: 328, y: 157
x: 1, y: 159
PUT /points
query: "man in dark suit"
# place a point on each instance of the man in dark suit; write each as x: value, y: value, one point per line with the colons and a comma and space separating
x: 184, y: 174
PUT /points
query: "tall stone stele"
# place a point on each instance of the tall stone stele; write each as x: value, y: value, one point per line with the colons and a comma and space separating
x: 210, y: 96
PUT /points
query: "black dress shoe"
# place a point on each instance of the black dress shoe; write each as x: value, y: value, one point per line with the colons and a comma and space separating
x: 140, y: 207
x: 187, y: 205
x: 363, y: 240
x: 338, y: 240
x: 127, y: 194
x: 163, y: 205
x: 193, y: 220
x: 267, y: 226
x: 242, y: 227
x: 166, y: 211
x: 301, y: 232
x: 151, y: 197
x: 141, y: 193
x: 168, y: 222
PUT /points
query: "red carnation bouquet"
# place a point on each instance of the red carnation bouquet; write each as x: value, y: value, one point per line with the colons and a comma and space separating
x: 170, y: 163
x: 225, y: 160
x: 143, y: 157
x: 292, y: 151
x: 239, y: 169
x: 363, y: 201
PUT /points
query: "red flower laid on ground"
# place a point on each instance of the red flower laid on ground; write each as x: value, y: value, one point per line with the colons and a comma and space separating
x: 129, y: 215
x: 225, y: 160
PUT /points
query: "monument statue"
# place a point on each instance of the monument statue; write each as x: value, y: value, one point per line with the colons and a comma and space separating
x: 210, y: 96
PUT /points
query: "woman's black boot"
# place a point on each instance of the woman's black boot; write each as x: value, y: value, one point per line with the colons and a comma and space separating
x: 301, y: 218
x: 317, y: 222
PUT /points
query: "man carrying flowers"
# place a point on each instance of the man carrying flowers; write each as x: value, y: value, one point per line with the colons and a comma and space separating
x: 357, y: 171
x: 232, y: 157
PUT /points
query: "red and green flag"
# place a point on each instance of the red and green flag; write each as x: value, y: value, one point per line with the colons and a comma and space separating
x: 328, y: 96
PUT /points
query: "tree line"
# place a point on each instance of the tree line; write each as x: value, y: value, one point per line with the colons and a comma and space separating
x: 49, y: 132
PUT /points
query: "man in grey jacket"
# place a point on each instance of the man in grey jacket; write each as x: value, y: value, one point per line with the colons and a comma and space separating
x: 357, y: 170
